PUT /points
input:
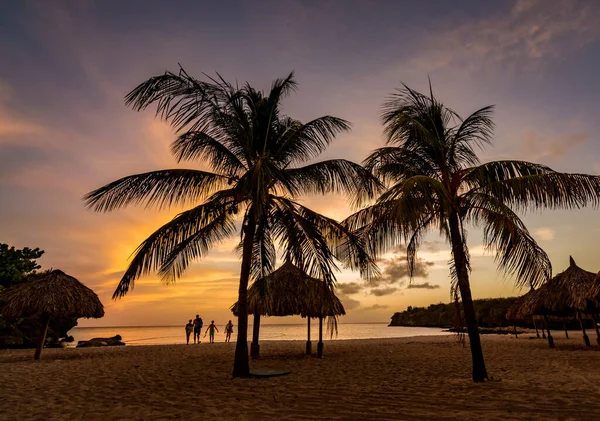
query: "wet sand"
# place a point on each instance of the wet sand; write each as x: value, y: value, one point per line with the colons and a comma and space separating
x: 418, y: 378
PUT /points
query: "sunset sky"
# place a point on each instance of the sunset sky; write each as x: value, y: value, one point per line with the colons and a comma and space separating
x: 65, y: 67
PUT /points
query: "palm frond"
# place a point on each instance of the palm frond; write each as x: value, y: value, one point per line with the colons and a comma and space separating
x: 161, y: 189
x: 517, y: 253
x: 477, y: 129
x: 201, y: 145
x: 483, y: 175
x: 551, y: 190
x: 180, y: 99
x: 196, y: 246
x: 302, y: 241
x: 394, y: 165
x: 303, y: 142
x: 153, y: 252
x: 334, y: 176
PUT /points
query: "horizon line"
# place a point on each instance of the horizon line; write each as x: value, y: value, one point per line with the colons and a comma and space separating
x: 249, y: 324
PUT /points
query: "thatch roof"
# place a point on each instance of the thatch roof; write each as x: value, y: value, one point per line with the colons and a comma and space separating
x: 289, y: 291
x: 569, y: 291
x: 52, y: 293
x: 513, y: 310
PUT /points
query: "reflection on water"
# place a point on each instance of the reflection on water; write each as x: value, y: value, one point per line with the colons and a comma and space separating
x: 158, y: 335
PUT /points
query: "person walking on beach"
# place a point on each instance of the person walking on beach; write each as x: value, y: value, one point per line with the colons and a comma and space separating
x: 211, y: 328
x: 198, y: 328
x: 228, y: 331
x: 188, y: 331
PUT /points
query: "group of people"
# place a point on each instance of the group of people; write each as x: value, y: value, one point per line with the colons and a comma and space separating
x: 196, y: 327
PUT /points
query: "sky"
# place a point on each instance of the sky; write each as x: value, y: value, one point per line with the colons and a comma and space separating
x: 65, y: 67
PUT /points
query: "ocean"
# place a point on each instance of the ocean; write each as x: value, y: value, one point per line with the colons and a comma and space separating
x: 163, y: 335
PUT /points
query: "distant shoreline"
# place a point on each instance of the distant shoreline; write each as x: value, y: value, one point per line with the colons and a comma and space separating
x: 249, y: 324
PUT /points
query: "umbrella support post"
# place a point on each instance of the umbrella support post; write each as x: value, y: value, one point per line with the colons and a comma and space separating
x: 543, y: 331
x: 565, y: 328
x: 515, y: 330
x: 42, y: 338
x: 537, y: 333
x: 595, y: 320
x: 308, y: 342
x: 254, y: 346
x: 550, y: 339
x: 586, y: 340
x: 320, y: 344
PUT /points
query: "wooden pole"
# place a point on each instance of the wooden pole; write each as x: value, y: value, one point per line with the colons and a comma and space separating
x: 550, y: 338
x: 320, y: 344
x: 586, y: 340
x: 543, y: 331
x: 515, y: 330
x: 565, y: 328
x: 42, y: 337
x: 595, y: 319
x: 308, y: 342
x: 537, y: 333
x: 255, y: 347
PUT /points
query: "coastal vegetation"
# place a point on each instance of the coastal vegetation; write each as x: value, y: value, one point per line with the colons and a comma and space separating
x: 16, y: 264
x: 489, y: 312
x: 258, y: 164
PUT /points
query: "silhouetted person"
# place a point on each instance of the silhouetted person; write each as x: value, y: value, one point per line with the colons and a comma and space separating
x: 211, y: 328
x: 197, y: 328
x: 228, y: 331
x: 188, y: 331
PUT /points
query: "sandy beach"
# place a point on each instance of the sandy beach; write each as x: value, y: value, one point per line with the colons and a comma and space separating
x: 417, y: 378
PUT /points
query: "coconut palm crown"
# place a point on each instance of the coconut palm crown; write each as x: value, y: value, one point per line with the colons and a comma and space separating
x: 436, y: 182
x: 258, y: 160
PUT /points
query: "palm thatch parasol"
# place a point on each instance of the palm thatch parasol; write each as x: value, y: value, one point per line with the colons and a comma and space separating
x: 289, y: 291
x: 569, y: 293
x: 47, y: 295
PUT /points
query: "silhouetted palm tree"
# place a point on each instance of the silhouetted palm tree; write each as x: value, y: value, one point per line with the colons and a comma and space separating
x: 436, y: 182
x: 253, y: 152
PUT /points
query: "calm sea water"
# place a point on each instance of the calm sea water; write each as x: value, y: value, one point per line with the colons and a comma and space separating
x: 160, y: 335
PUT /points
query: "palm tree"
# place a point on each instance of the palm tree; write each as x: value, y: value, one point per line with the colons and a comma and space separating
x: 436, y: 182
x: 253, y: 152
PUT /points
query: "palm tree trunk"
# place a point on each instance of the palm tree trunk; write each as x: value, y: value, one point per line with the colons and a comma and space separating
x: 42, y: 337
x: 241, y: 367
x: 255, y: 347
x: 460, y: 262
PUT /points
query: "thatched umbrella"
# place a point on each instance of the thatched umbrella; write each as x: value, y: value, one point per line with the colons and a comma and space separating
x: 568, y: 294
x: 289, y: 291
x: 47, y: 295
x: 511, y: 313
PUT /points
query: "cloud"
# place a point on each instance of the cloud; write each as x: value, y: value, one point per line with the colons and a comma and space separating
x: 545, y: 233
x: 380, y: 292
x: 395, y: 270
x: 424, y: 285
x: 376, y: 307
x: 531, y: 33
x: 537, y: 145
x: 349, y: 288
x: 349, y: 303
